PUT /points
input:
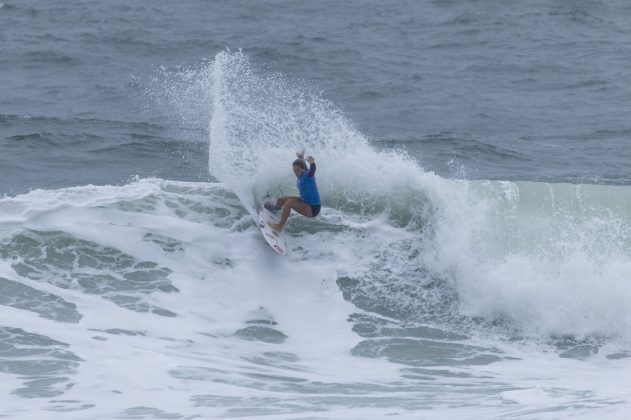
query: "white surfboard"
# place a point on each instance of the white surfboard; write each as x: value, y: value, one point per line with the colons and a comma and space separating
x: 273, y: 238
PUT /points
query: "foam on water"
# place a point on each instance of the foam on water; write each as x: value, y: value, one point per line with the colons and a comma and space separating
x: 159, y: 299
x: 135, y: 341
x: 239, y: 331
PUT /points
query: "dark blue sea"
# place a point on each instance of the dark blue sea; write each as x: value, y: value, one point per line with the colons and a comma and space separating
x: 473, y: 254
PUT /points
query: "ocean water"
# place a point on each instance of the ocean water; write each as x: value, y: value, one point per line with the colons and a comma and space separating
x: 472, y: 258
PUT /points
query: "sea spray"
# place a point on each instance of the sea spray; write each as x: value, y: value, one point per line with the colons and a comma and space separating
x: 546, y: 259
x: 259, y: 120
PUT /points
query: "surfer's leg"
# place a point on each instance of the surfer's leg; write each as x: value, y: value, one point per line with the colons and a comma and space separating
x: 302, y: 207
x: 291, y: 203
x: 281, y: 201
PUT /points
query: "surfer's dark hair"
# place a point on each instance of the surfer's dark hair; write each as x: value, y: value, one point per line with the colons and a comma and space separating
x: 301, y: 163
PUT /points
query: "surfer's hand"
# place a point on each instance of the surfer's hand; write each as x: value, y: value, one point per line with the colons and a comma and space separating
x: 310, y: 159
x: 301, y: 153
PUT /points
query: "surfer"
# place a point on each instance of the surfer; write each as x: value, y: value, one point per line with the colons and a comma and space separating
x: 308, y: 204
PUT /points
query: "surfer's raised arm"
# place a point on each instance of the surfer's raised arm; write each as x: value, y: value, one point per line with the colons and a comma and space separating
x: 312, y: 166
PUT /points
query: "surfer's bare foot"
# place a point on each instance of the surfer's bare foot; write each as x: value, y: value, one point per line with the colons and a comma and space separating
x: 276, y: 227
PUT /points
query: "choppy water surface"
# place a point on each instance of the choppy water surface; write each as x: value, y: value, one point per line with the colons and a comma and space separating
x: 471, y: 260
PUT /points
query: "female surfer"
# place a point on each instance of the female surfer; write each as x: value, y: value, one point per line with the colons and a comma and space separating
x: 308, y: 204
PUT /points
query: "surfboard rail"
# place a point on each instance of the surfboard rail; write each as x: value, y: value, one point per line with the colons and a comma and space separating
x: 273, y: 238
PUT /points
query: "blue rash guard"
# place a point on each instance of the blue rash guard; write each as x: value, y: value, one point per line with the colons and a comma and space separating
x: 306, y: 184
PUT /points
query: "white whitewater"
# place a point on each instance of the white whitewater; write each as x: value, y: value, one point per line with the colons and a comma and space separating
x: 411, y: 295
